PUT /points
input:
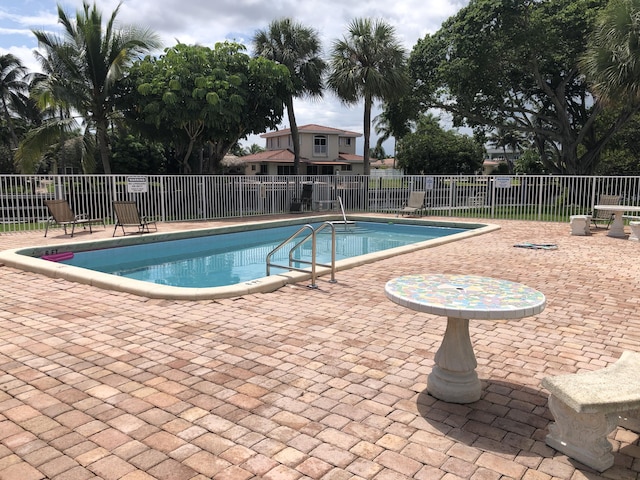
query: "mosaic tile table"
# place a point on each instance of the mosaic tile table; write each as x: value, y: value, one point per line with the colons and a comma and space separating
x: 461, y: 298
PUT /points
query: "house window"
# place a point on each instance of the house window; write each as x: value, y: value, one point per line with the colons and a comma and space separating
x: 346, y: 141
x: 320, y: 146
x: 264, y: 169
x: 285, y: 169
x: 253, y: 168
x: 346, y: 168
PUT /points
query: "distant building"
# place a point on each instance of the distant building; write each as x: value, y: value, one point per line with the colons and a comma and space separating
x: 323, y: 151
x: 495, y: 156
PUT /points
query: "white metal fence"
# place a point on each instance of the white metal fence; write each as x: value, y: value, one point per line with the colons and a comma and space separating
x: 181, y: 198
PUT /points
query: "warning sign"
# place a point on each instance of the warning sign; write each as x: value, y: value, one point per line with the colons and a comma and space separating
x: 137, y: 184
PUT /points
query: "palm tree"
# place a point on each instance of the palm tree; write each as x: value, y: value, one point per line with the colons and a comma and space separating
x: 298, y: 48
x: 507, y: 136
x: 90, y: 59
x: 369, y: 63
x: 611, y: 62
x: 396, y: 120
x: 12, y: 85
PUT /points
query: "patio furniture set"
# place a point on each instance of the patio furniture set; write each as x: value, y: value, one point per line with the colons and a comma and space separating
x: 610, y: 212
x: 586, y: 406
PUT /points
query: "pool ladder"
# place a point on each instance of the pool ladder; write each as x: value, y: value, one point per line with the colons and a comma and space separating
x: 311, y: 233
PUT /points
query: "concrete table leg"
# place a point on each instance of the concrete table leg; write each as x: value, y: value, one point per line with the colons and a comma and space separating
x: 616, y: 229
x: 454, y: 378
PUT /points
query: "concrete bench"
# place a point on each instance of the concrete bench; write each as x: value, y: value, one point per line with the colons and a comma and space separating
x: 588, y: 406
x: 634, y: 225
x: 580, y: 224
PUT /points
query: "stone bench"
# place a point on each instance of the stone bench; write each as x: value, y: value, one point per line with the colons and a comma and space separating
x: 588, y: 406
x: 634, y: 225
x: 580, y: 224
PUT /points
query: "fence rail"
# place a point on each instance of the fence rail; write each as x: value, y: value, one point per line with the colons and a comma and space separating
x: 183, y: 198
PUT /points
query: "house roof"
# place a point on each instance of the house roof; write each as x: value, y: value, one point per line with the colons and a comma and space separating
x: 284, y: 156
x: 348, y: 157
x: 385, y: 162
x: 287, y: 156
x: 312, y: 128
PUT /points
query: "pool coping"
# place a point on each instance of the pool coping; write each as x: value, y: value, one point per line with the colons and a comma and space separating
x: 28, y: 258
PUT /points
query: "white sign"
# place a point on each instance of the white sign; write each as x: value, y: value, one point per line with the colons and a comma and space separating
x: 428, y: 183
x: 503, y: 182
x: 137, y: 184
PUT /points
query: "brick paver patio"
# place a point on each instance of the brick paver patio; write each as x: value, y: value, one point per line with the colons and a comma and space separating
x: 307, y: 384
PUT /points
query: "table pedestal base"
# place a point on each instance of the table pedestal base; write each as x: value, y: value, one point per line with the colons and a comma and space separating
x: 616, y: 229
x: 453, y: 378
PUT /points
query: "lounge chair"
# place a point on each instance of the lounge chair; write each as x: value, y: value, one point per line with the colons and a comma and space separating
x: 476, y: 200
x: 604, y: 216
x: 414, y: 205
x: 305, y: 201
x: 127, y: 215
x: 60, y: 213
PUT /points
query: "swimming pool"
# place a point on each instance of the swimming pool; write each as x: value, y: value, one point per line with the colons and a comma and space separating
x: 179, y: 265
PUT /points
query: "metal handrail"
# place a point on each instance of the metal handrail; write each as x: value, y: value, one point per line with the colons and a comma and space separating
x: 313, y: 262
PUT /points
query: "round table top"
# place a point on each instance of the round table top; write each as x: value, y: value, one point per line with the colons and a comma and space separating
x: 465, y: 296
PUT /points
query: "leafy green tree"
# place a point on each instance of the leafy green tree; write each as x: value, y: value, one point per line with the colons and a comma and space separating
x: 512, y: 60
x: 194, y: 95
x: 529, y: 163
x: 621, y: 156
x: 433, y: 150
x: 12, y: 87
x: 88, y: 61
x: 369, y: 63
x: 298, y: 48
x: 135, y: 154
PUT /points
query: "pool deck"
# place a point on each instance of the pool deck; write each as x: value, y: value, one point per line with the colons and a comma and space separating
x: 307, y: 384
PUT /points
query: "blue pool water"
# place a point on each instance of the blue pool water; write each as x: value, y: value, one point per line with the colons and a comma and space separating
x: 230, y: 258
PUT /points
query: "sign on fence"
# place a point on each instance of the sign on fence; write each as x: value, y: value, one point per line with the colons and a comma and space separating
x: 428, y: 183
x: 503, y: 182
x: 137, y: 184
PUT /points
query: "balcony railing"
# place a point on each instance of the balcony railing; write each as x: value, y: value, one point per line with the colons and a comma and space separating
x: 184, y: 198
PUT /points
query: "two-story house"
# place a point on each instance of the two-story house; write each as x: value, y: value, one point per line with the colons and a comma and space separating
x: 323, y: 151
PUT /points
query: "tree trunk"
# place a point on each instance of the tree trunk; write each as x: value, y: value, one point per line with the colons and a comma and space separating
x: 295, y: 137
x: 367, y: 133
x: 103, y: 145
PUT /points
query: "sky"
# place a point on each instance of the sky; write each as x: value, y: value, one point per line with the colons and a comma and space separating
x: 206, y: 22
